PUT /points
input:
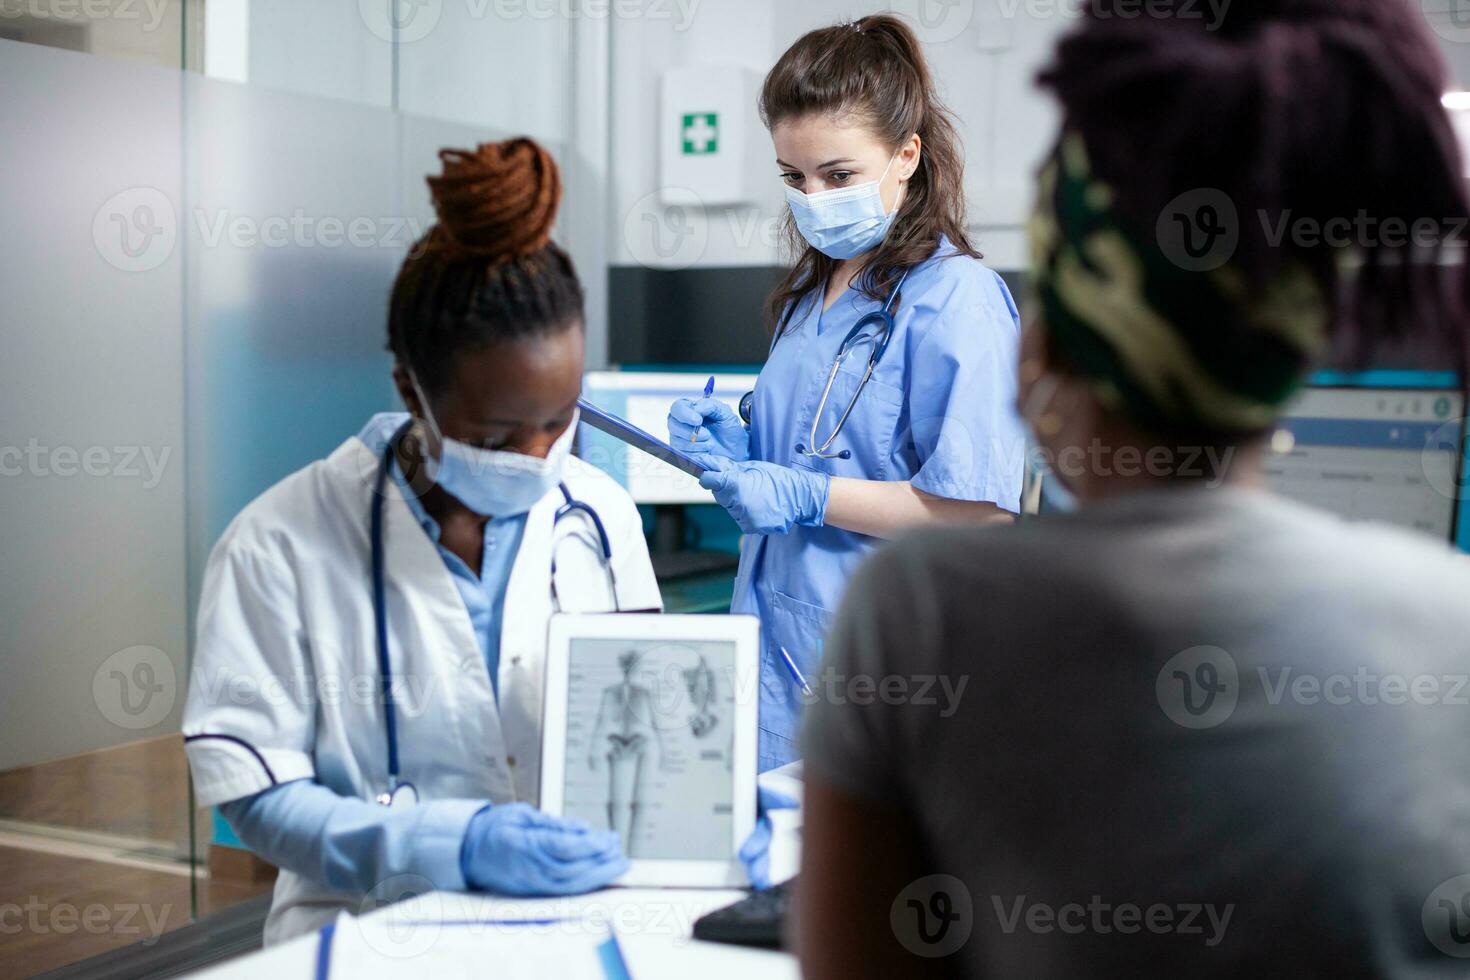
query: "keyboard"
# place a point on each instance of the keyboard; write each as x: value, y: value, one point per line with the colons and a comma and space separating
x: 756, y: 920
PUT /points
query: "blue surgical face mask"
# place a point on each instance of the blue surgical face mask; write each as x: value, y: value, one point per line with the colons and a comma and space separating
x: 845, y: 221
x: 494, y: 482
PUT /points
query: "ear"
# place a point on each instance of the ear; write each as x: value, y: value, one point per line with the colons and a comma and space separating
x: 404, y: 384
x: 910, y: 155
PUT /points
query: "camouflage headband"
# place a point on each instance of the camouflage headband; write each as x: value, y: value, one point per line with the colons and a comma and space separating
x: 1177, y: 350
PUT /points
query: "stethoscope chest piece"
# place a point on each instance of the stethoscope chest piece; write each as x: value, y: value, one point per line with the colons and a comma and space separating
x: 400, y: 797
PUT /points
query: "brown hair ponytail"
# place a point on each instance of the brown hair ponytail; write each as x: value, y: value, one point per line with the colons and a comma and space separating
x: 874, y: 68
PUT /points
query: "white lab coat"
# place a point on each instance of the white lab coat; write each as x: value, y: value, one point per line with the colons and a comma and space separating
x: 285, y: 680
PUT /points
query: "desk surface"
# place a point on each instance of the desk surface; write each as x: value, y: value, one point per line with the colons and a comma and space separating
x: 654, y: 929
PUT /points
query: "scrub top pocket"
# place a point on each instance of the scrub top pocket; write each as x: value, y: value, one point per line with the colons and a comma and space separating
x: 801, y: 627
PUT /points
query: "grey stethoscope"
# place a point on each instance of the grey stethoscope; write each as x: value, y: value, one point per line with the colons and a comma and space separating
x: 401, y: 792
x: 862, y: 332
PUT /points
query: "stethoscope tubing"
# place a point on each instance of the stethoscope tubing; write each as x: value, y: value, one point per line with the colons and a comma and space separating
x: 380, y: 608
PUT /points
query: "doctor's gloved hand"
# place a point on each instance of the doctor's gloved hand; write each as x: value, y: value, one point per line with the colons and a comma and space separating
x: 755, y: 853
x: 715, y: 426
x: 766, y: 498
x: 515, y: 849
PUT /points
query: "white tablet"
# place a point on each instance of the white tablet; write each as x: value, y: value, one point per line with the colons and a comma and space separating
x: 649, y: 730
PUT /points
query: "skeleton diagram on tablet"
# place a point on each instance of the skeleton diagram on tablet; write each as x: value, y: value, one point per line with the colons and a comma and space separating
x: 655, y: 761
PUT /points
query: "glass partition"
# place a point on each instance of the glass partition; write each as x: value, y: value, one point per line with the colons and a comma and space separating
x: 195, y: 307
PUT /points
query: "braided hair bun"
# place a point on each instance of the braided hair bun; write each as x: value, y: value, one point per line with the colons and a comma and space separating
x: 497, y: 202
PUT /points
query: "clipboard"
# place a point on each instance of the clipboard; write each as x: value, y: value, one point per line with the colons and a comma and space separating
x: 625, y: 431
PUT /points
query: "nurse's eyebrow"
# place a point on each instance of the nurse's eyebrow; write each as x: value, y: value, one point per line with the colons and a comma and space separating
x: 824, y: 166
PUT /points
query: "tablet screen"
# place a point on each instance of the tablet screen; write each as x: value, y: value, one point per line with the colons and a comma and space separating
x: 650, y: 736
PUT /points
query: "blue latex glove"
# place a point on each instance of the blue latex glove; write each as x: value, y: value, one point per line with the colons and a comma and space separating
x: 755, y: 853
x: 515, y: 849
x: 715, y: 426
x: 766, y: 498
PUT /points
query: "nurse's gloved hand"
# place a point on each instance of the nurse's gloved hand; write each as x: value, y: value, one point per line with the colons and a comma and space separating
x: 767, y: 498
x: 715, y: 426
x: 515, y: 849
x: 755, y: 853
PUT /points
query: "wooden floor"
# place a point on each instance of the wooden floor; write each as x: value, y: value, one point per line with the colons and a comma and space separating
x: 62, y: 898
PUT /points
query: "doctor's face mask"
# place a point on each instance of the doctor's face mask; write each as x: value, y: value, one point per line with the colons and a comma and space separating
x: 493, y: 482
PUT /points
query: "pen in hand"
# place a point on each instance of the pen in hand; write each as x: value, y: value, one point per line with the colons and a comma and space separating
x: 709, y: 389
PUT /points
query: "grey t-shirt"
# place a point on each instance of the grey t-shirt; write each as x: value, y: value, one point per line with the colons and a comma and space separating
x: 1182, y: 733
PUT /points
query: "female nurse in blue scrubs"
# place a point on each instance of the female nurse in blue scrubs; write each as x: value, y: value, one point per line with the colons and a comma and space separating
x: 874, y: 180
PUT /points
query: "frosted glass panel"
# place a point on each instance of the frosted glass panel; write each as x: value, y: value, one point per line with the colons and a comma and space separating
x: 195, y: 305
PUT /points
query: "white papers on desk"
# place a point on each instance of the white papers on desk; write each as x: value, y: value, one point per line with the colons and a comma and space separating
x: 387, y: 946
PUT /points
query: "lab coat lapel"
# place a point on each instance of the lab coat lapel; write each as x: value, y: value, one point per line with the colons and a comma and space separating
x: 523, y: 647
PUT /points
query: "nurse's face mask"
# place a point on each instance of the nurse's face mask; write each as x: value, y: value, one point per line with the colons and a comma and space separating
x: 493, y: 482
x: 845, y: 221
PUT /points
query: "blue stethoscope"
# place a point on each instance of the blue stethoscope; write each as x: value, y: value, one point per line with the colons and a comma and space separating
x: 401, y: 792
x: 876, y: 330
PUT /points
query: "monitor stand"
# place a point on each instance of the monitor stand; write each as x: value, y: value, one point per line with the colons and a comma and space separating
x: 670, y: 559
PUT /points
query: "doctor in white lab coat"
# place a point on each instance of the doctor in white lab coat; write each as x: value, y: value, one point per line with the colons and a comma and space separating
x: 286, y: 721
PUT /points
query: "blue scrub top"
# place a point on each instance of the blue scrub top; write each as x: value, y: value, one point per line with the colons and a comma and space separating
x: 939, y: 412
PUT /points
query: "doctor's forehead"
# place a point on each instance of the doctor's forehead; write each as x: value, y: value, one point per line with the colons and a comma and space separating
x: 526, y: 381
x: 813, y: 141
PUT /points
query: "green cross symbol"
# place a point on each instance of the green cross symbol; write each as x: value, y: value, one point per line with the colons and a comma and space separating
x: 701, y: 133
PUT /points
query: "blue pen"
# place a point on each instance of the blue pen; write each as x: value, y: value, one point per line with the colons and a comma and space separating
x: 795, y: 671
x: 709, y: 389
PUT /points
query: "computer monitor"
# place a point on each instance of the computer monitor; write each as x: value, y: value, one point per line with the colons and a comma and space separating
x: 643, y: 398
x: 1384, y: 454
